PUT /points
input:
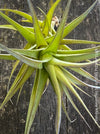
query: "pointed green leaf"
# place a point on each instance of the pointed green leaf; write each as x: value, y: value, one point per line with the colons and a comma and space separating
x: 66, y: 113
x: 77, y: 57
x: 73, y: 104
x: 80, y: 89
x: 75, y: 41
x: 37, y: 92
x: 72, y: 25
x: 71, y: 77
x: 14, y: 67
x: 76, y: 80
x: 79, y: 51
x: 28, y: 61
x: 7, y: 27
x: 13, y: 28
x: 48, y: 19
x: 23, y: 14
x: 55, y: 61
x: 40, y: 41
x: 28, y: 35
x: 20, y: 90
x: 81, y: 101
x: 85, y: 74
x: 18, y: 78
x: 51, y: 70
x: 32, y: 102
x: 24, y: 73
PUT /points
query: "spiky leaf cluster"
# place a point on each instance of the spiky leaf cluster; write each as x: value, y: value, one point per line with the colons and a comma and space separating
x: 47, y: 53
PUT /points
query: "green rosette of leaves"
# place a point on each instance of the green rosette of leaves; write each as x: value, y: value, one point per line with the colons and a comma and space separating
x: 48, y: 54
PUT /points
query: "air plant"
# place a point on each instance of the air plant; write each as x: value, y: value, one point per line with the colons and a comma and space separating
x: 48, y: 55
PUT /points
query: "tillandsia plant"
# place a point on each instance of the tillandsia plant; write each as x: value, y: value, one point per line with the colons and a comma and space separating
x: 48, y: 54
